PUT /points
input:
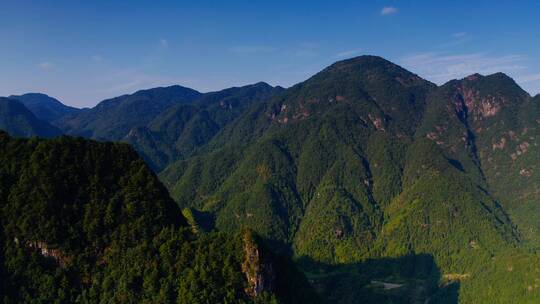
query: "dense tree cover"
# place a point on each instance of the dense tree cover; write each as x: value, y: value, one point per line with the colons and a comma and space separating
x: 382, y: 186
x: 184, y: 128
x: 45, y: 107
x: 89, y: 222
x: 162, y: 124
x: 365, y: 160
x: 113, y: 119
x: 16, y: 119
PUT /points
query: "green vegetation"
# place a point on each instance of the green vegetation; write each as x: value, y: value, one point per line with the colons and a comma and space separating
x: 184, y: 128
x: 88, y: 222
x: 113, y: 119
x: 44, y: 107
x: 18, y: 121
x: 366, y: 161
x: 381, y: 187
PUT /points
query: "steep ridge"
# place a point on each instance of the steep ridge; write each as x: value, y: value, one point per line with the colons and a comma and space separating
x: 312, y: 130
x: 366, y: 160
x: 491, y: 129
x: 45, y: 107
x: 83, y: 221
x: 183, y: 128
x: 16, y: 119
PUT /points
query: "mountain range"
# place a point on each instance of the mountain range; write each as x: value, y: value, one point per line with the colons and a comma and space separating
x: 380, y: 186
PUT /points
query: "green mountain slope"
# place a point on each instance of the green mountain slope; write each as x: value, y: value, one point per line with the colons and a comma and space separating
x: 45, y: 107
x: 88, y: 222
x: 490, y: 127
x: 366, y: 160
x: 308, y: 131
x: 16, y: 119
x: 183, y: 128
x: 112, y: 119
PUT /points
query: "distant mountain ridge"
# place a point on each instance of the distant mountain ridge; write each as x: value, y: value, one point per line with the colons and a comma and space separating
x: 112, y: 119
x: 184, y: 128
x: 45, y: 107
x: 16, y: 119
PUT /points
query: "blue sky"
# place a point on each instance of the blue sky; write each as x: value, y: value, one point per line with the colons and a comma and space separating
x: 84, y: 51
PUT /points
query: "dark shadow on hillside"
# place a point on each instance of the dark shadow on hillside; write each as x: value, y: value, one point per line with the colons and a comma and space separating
x: 407, y: 279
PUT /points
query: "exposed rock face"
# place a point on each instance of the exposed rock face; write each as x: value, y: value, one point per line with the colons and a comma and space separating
x: 377, y: 122
x: 45, y: 250
x: 259, y: 270
x: 471, y: 102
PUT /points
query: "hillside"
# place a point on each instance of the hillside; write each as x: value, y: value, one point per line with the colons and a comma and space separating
x: 165, y: 124
x: 366, y: 160
x: 83, y: 221
x: 381, y: 186
x: 45, y: 107
x: 16, y: 119
x: 112, y: 119
x: 182, y: 129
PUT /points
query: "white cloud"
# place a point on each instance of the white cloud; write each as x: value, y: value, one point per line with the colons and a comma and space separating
x: 528, y: 78
x: 388, y: 10
x: 128, y: 80
x: 348, y: 53
x: 46, y: 65
x: 250, y: 49
x: 439, y: 67
x: 163, y: 43
x: 442, y: 67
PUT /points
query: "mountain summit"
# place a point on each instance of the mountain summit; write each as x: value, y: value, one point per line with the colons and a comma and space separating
x: 16, y: 119
x: 45, y: 107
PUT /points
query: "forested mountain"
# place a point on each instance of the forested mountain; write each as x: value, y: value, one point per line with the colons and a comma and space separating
x: 88, y: 222
x: 45, y: 107
x: 165, y: 124
x: 16, y: 119
x: 113, y: 119
x: 183, y: 128
x: 366, y: 160
x: 381, y: 186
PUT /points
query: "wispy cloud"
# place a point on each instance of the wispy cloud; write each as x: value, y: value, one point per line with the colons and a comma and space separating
x: 388, y: 10
x: 442, y: 67
x: 307, y: 49
x: 439, y: 67
x: 46, y: 65
x: 528, y: 78
x: 129, y: 80
x: 250, y: 49
x: 348, y: 53
x: 164, y: 43
x: 459, y: 34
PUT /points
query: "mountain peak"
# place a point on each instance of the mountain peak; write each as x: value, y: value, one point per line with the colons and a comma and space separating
x: 373, y: 69
x: 168, y: 92
x: 364, y: 62
x: 474, y: 77
x: 36, y: 98
x: 495, y: 77
x: 44, y: 106
x: 17, y: 120
x: 497, y: 83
